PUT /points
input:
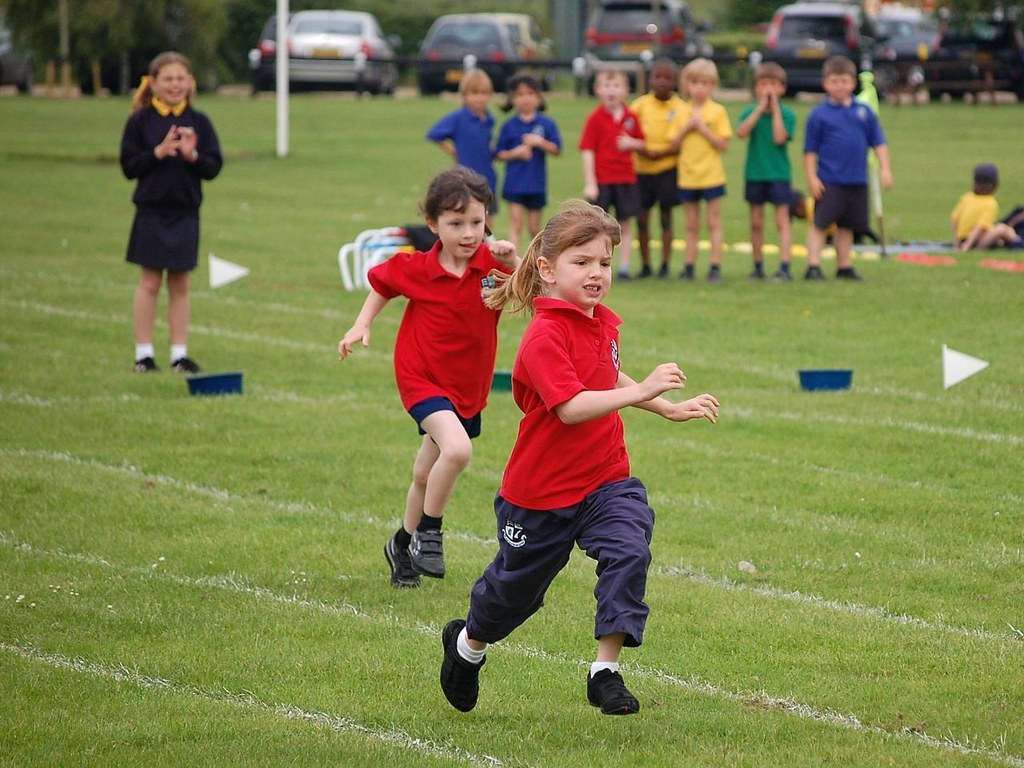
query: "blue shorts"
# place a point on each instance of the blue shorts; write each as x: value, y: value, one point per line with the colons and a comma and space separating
x: 774, y: 192
x: 658, y: 188
x: 531, y: 202
x: 696, y: 195
x: 424, y: 408
x: 844, y: 205
x: 625, y: 198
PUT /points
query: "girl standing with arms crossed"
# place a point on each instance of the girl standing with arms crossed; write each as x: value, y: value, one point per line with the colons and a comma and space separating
x: 567, y: 482
x: 170, y: 148
x: 444, y: 355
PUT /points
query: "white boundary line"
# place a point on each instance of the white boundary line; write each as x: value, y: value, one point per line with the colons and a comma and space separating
x: 760, y: 698
x: 249, y: 700
x: 692, y: 575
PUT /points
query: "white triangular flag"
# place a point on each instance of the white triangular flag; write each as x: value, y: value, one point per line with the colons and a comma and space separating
x: 223, y: 272
x: 956, y: 366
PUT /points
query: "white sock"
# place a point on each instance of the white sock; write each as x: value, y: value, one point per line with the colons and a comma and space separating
x: 597, y: 666
x: 469, y: 654
x: 143, y: 351
x: 178, y: 351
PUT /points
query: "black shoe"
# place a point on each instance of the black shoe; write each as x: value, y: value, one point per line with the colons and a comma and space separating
x: 460, y: 679
x: 782, y: 276
x: 847, y: 273
x: 714, y: 275
x: 814, y: 273
x: 402, y: 572
x: 756, y: 274
x: 623, y: 274
x: 185, y: 365
x: 145, y: 365
x: 426, y: 553
x: 607, y: 691
x: 645, y: 271
x: 663, y: 271
x: 687, y: 274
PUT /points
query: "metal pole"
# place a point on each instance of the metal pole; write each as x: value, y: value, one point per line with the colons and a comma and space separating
x: 281, y: 70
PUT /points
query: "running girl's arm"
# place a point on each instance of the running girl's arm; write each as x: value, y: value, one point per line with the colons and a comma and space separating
x: 360, y: 330
x: 592, y: 404
x: 702, y: 406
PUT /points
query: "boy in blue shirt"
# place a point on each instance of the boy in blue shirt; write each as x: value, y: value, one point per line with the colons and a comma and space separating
x: 838, y: 135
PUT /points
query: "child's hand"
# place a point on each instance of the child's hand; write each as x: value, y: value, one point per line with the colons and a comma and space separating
x: 665, y: 377
x: 590, y: 193
x: 170, y: 146
x: 354, y: 334
x: 505, y: 252
x: 816, y: 187
x: 187, y: 144
x: 703, y: 406
x: 533, y: 140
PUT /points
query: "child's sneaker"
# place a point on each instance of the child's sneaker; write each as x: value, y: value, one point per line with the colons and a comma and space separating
x: 687, y: 273
x: 185, y: 365
x: 623, y: 274
x: 645, y: 271
x: 757, y: 273
x: 460, y: 679
x: 714, y: 275
x: 814, y: 273
x: 663, y: 271
x: 782, y: 275
x: 145, y: 365
x: 848, y: 273
x: 426, y: 553
x: 402, y: 572
x: 607, y: 691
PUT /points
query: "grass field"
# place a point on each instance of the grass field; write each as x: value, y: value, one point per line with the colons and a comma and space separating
x: 199, y: 581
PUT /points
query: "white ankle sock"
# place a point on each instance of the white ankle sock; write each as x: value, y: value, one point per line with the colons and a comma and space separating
x: 597, y: 666
x: 178, y: 351
x: 143, y: 351
x: 469, y: 654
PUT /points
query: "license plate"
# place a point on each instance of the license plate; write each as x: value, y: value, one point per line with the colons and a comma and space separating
x: 326, y: 53
x: 635, y: 47
x: 811, y: 53
x: 453, y: 76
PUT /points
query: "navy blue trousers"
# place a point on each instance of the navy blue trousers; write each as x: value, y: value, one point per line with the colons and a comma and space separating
x: 613, y: 525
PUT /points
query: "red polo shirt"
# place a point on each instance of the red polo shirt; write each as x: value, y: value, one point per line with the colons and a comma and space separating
x: 600, y: 134
x: 564, y: 352
x: 448, y: 339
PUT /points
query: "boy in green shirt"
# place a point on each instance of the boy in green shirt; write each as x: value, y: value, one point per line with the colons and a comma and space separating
x: 768, y: 172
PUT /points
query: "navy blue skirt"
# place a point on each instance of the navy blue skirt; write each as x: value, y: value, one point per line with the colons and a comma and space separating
x: 165, y: 239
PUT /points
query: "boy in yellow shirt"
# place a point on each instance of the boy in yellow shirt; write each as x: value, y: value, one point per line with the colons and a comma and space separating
x: 657, y: 163
x: 703, y: 135
x: 974, y: 217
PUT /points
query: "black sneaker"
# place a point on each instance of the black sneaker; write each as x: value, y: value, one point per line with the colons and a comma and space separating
x: 663, y: 270
x: 687, y: 274
x: 814, y: 273
x: 426, y: 553
x: 782, y: 276
x: 848, y: 273
x: 460, y: 679
x: 607, y: 691
x: 402, y: 572
x: 145, y: 365
x: 756, y: 274
x: 645, y: 271
x: 185, y: 365
x: 623, y: 274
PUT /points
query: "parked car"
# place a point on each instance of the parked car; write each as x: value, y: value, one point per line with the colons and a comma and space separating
x: 631, y: 32
x: 454, y: 37
x: 15, y: 61
x: 802, y: 35
x: 976, y: 53
x: 329, y: 49
x: 531, y: 44
x: 906, y: 37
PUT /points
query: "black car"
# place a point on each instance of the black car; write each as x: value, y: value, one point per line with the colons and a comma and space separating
x: 907, y: 37
x: 630, y: 34
x: 457, y: 41
x: 977, y: 54
x: 263, y: 58
x: 801, y: 36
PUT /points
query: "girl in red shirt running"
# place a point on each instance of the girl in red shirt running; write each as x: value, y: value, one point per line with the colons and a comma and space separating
x: 444, y: 355
x: 567, y: 482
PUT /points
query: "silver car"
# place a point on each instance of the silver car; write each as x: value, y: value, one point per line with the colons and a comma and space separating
x: 340, y: 48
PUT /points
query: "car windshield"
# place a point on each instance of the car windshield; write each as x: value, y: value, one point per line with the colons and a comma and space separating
x: 905, y: 27
x: 813, y: 27
x: 470, y: 35
x: 328, y: 27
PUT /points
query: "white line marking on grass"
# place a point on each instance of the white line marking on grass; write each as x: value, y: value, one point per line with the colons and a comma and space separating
x: 249, y: 700
x: 853, y: 609
x: 761, y: 699
x: 909, y: 426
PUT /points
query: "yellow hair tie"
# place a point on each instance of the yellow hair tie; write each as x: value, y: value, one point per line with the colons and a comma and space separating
x: 144, y: 81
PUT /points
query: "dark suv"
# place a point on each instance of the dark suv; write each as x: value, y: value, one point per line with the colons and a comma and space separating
x: 801, y: 36
x: 621, y: 33
x: 456, y: 40
x: 977, y: 54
